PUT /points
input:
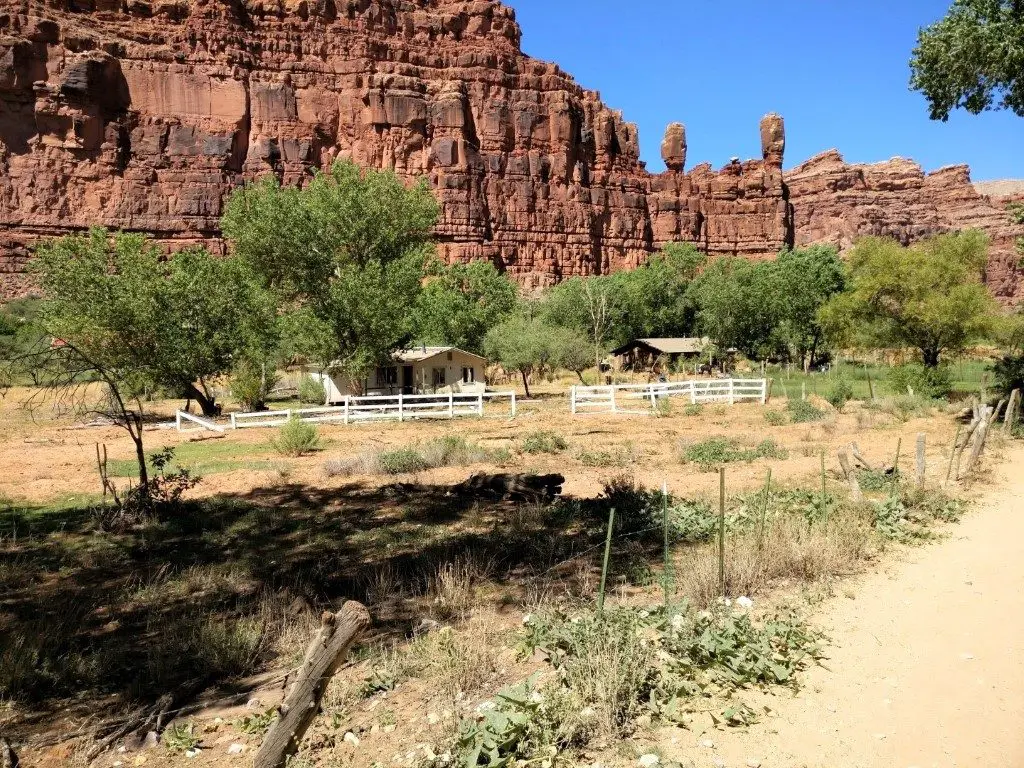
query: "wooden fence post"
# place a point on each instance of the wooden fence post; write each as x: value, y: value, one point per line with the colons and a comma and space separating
x: 451, y: 404
x: 958, y: 449
x: 851, y: 476
x: 1011, y: 412
x: 920, y: 467
x: 979, y: 440
x: 732, y: 391
x: 615, y: 408
x: 572, y: 399
x: 480, y: 404
x: 347, y: 398
x: 513, y: 403
x: 177, y: 420
x: 401, y: 408
x: 324, y: 657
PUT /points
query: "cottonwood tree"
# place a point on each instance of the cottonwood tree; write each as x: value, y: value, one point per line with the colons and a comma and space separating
x: 929, y: 296
x: 808, y: 277
x: 460, y: 302
x: 522, y: 344
x: 972, y: 59
x: 115, y: 310
x: 586, y: 304
x: 344, y: 255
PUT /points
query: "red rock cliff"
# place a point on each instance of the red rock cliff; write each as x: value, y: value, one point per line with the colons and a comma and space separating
x: 144, y: 114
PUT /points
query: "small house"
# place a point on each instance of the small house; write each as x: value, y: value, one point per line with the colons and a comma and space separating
x: 641, y: 354
x: 418, y: 371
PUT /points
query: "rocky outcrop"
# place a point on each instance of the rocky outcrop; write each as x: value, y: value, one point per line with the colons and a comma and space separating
x: 835, y: 202
x: 145, y: 114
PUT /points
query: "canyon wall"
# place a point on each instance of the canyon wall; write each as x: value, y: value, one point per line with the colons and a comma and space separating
x: 145, y: 114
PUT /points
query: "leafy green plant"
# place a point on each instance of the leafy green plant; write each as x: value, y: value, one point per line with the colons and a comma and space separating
x: 663, y: 407
x: 498, y: 735
x: 251, y: 384
x: 715, y: 451
x: 617, y: 456
x: 917, y: 379
x: 802, y: 411
x: 694, y: 409
x: 312, y: 391
x: 401, y: 461
x: 839, y: 393
x: 774, y: 418
x: 296, y: 438
x: 257, y: 723
x: 1008, y: 373
x: 181, y: 737
x: 544, y: 441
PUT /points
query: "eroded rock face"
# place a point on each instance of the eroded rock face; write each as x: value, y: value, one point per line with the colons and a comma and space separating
x: 145, y: 114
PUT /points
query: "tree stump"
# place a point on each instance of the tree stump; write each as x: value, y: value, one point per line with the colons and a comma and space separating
x: 920, y: 466
x: 324, y: 656
x: 851, y: 476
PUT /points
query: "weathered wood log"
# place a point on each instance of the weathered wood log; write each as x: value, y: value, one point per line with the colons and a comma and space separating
x: 324, y: 656
x: 1011, y: 412
x: 920, y: 466
x: 978, y: 444
x: 855, y: 450
x: 961, y: 445
x: 7, y: 757
x: 513, y: 486
x: 851, y: 476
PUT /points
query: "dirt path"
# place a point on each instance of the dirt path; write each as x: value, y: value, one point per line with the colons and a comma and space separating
x: 926, y: 663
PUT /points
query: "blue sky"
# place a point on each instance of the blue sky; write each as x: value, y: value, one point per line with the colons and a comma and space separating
x: 835, y: 69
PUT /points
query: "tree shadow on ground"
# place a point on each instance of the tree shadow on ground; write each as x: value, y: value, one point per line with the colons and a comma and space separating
x: 190, y: 599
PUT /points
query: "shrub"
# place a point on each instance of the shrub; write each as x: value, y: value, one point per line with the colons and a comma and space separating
x: 662, y: 407
x: 296, y: 438
x: 251, y: 384
x: 312, y: 391
x: 544, y: 441
x: 720, y: 450
x: 925, y: 382
x: 903, y: 407
x: 618, y: 456
x: 401, y: 461
x: 774, y: 418
x: 802, y: 411
x: 694, y: 409
x: 447, y: 451
x: 839, y: 393
x: 1008, y: 373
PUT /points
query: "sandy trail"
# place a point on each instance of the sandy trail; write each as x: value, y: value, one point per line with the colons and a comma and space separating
x: 926, y: 661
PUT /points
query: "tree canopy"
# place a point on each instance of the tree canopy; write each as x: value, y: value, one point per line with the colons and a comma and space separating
x: 929, y: 296
x: 972, y: 59
x: 460, y: 302
x: 345, y: 255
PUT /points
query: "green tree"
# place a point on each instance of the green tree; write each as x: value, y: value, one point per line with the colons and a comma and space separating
x: 521, y: 344
x: 585, y: 304
x: 739, y: 305
x: 119, y: 312
x: 928, y: 296
x: 571, y: 351
x: 654, y: 300
x: 809, y: 277
x: 973, y: 58
x: 345, y: 253
x: 461, y: 302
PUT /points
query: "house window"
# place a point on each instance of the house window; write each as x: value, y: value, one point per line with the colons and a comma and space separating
x: 387, y: 376
x: 468, y: 375
x: 439, y: 377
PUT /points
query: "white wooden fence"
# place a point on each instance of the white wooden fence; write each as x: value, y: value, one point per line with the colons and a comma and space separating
x: 627, y: 398
x: 354, y: 410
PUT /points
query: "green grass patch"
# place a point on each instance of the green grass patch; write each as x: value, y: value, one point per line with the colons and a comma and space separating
x: 205, y: 457
x: 721, y: 450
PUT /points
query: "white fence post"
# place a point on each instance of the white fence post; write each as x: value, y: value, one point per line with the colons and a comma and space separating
x: 513, y: 403
x: 347, y: 398
x: 177, y: 420
x: 451, y: 405
x: 764, y: 391
x: 693, y: 393
x: 480, y: 404
x: 572, y: 399
x: 401, y: 408
x: 732, y: 391
x: 614, y: 406
x: 234, y: 425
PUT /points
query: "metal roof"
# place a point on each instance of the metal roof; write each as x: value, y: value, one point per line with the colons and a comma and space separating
x: 679, y: 346
x: 419, y: 354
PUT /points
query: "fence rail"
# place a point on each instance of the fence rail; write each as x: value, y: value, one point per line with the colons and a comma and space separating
x: 354, y: 410
x: 623, y: 398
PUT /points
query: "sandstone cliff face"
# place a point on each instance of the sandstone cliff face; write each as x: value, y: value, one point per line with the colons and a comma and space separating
x: 145, y: 114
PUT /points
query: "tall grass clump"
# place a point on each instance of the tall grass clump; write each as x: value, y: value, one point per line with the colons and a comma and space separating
x: 446, y: 451
x: 802, y: 411
x: 544, y: 441
x: 716, y: 451
x: 296, y: 438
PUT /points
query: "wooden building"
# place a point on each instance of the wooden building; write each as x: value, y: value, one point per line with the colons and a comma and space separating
x: 641, y: 354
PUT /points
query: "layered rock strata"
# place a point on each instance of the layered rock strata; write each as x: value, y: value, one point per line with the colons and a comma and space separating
x: 146, y: 114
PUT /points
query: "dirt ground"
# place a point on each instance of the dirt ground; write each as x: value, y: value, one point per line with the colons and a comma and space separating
x: 925, y: 663
x: 46, y: 457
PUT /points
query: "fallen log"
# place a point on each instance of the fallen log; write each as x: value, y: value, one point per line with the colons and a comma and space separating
x: 513, y: 486
x: 324, y: 657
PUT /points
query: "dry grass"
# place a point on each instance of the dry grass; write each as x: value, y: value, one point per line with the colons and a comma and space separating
x: 452, y: 587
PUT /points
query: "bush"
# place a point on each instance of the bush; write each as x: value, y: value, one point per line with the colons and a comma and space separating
x: 802, y: 411
x: 903, y: 407
x: 312, y: 391
x: 544, y: 441
x: 296, y: 438
x: 839, y: 393
x: 774, y: 418
x: 402, y: 461
x: 925, y: 382
x: 720, y: 450
x: 447, y: 451
x: 251, y: 384
x: 1008, y: 373
x: 694, y: 409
